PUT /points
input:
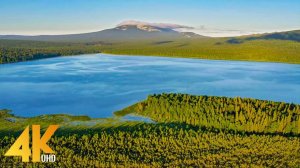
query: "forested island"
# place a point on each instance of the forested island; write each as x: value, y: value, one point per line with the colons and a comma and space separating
x: 187, y: 131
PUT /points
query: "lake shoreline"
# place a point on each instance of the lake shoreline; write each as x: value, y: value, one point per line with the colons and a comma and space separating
x: 165, y: 56
x: 198, y: 58
x: 128, y: 111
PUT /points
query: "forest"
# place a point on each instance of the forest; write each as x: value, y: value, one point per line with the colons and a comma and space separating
x: 187, y: 131
x: 165, y: 145
x: 236, y: 114
x: 264, y: 50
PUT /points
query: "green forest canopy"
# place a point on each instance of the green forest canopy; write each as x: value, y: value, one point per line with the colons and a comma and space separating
x: 195, y: 131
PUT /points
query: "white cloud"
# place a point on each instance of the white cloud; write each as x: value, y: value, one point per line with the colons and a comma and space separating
x: 160, y: 25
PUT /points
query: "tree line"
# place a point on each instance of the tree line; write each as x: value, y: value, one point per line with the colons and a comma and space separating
x: 10, y: 55
x: 20, y: 50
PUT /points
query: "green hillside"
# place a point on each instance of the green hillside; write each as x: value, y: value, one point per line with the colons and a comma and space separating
x: 213, y: 48
x: 289, y: 35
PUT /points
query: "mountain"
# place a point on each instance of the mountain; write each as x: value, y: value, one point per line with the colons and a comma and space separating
x: 128, y: 30
x: 293, y: 35
x: 136, y: 30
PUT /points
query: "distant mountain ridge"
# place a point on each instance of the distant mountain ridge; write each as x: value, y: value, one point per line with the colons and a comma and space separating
x: 288, y: 35
x: 136, y: 30
x: 132, y: 30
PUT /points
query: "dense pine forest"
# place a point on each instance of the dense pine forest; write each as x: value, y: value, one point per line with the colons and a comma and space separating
x: 166, y: 145
x: 237, y: 114
x: 187, y: 131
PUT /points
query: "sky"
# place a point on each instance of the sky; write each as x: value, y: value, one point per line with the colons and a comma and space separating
x: 208, y: 17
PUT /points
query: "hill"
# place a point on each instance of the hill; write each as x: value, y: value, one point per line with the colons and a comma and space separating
x: 288, y: 35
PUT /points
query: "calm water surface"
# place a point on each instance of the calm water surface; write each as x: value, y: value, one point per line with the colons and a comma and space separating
x: 97, y: 85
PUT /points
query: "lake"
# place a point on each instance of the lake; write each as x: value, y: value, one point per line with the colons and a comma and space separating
x: 99, y: 84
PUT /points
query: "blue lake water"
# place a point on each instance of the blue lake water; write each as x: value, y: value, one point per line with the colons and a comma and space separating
x: 97, y: 85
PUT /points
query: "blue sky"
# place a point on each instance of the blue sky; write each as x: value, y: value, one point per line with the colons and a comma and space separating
x: 209, y: 17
